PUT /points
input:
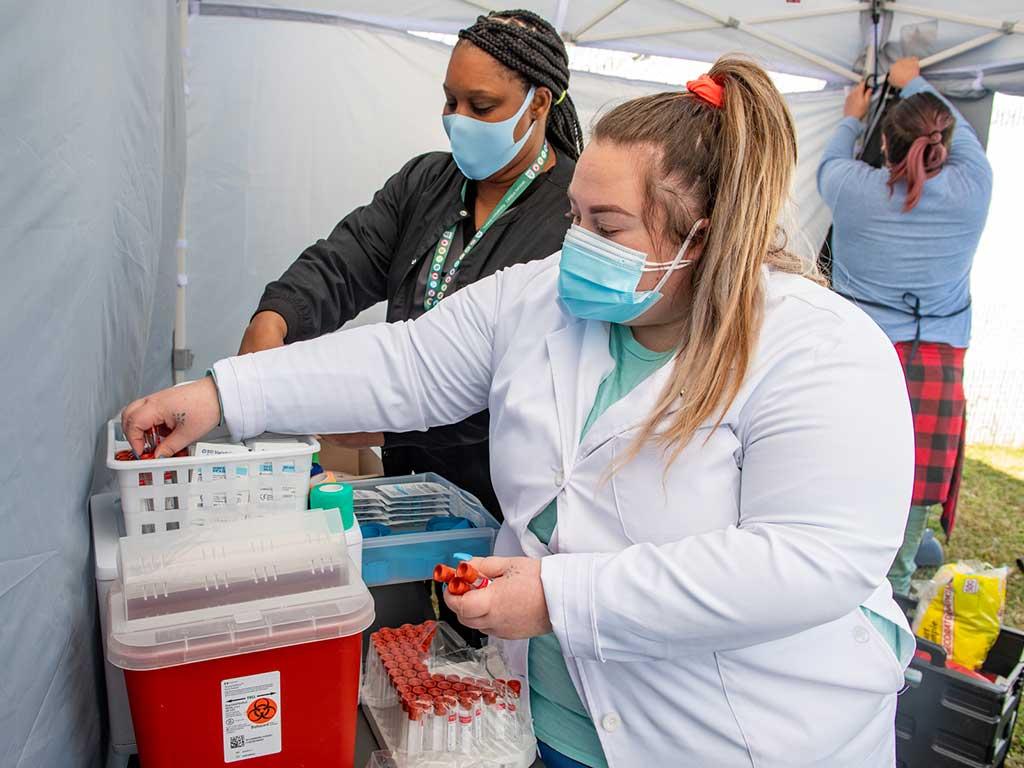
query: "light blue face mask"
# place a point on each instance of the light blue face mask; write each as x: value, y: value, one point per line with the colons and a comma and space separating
x: 480, y: 148
x: 598, y: 278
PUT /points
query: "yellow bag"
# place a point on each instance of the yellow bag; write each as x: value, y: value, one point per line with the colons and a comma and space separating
x: 961, y: 610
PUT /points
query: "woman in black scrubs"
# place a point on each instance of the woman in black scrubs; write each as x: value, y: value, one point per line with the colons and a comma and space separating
x: 446, y: 220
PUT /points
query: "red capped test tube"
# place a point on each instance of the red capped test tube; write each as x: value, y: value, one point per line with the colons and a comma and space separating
x: 439, y: 726
x: 452, y: 729
x: 471, y: 576
x: 459, y: 587
x: 443, y: 573
x: 414, y: 729
x: 465, y: 724
x: 478, y: 716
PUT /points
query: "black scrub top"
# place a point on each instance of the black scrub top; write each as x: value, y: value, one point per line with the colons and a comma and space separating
x: 382, y: 251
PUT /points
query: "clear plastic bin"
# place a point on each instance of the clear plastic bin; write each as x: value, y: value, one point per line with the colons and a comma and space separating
x: 171, y: 494
x: 232, y: 563
x: 411, y: 554
x: 434, y: 701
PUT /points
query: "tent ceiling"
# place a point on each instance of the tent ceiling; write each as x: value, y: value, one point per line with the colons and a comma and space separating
x: 816, y: 38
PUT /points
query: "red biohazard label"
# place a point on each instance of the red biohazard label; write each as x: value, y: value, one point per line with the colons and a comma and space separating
x: 261, y: 710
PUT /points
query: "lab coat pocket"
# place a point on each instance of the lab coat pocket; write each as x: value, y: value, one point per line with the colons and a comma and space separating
x: 698, y: 492
x: 881, y: 646
x: 785, y: 694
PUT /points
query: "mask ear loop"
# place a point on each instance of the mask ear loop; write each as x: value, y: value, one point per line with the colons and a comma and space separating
x: 522, y: 111
x: 678, y: 262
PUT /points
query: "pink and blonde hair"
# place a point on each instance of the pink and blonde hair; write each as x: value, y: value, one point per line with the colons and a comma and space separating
x: 917, y: 131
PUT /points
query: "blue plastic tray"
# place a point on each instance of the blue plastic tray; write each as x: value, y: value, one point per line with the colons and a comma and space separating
x: 411, y: 556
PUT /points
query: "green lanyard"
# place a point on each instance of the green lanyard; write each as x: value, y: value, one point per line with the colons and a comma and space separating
x: 437, y: 281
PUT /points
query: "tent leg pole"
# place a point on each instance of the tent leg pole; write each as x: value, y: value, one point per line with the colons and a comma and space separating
x: 181, y: 355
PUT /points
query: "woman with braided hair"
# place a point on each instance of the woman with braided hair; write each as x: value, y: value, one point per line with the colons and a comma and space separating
x: 903, y: 243
x: 446, y: 220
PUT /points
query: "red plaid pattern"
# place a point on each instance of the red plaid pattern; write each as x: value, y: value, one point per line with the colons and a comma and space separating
x: 935, y: 381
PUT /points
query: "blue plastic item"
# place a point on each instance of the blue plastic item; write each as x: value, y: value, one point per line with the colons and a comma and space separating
x: 929, y: 551
x: 373, y: 530
x: 410, y: 554
x: 449, y: 523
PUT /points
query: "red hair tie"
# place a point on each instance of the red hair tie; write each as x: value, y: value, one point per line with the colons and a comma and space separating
x: 707, y: 90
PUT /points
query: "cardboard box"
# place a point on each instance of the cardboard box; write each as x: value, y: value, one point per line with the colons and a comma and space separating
x: 350, y: 463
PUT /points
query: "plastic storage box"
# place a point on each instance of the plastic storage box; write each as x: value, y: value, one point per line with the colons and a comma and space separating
x: 946, y: 719
x: 170, y: 494
x: 412, y: 555
x: 241, y: 642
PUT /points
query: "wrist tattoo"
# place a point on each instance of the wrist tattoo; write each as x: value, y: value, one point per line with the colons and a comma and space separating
x: 179, y: 418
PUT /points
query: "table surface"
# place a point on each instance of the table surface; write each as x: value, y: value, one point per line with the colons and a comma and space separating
x: 366, y: 742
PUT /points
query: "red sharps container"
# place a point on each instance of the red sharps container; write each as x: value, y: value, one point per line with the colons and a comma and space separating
x: 235, y: 649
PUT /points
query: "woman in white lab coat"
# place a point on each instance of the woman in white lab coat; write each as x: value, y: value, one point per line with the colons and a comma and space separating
x: 704, y: 457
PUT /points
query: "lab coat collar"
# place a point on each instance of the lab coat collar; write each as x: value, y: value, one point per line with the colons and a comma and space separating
x: 631, y: 411
x: 579, y: 361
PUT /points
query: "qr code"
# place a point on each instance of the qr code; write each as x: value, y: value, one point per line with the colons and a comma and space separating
x: 970, y: 586
x: 236, y: 742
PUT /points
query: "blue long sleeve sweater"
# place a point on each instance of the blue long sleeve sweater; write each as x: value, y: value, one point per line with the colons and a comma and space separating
x: 879, y: 252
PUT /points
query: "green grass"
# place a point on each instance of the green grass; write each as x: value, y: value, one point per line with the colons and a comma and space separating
x: 990, y: 527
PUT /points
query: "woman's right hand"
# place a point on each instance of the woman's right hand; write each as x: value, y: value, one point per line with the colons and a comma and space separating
x: 858, y: 99
x: 903, y: 71
x: 188, y: 411
x: 266, y: 330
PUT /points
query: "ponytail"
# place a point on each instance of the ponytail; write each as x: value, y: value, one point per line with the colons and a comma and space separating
x: 732, y: 164
x: 917, y: 133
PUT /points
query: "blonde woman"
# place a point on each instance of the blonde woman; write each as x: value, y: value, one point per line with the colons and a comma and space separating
x: 703, y: 456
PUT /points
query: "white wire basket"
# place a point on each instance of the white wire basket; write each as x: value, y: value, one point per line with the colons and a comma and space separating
x: 170, y: 494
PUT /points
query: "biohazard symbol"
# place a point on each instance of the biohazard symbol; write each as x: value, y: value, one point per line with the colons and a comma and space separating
x: 261, y: 710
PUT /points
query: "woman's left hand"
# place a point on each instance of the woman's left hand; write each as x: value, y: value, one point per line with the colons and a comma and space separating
x: 857, y: 101
x: 512, y: 606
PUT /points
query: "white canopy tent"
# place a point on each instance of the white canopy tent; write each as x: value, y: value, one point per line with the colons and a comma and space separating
x: 831, y: 39
x: 285, y: 120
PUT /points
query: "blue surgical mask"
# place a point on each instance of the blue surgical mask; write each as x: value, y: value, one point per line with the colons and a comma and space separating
x: 598, y: 278
x: 480, y: 148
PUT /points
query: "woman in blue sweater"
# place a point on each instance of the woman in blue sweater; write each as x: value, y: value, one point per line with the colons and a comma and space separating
x: 903, y: 241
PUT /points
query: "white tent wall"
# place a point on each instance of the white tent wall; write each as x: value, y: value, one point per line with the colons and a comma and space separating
x: 293, y: 124
x: 92, y: 158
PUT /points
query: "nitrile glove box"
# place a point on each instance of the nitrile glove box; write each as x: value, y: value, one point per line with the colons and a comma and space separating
x: 411, y: 555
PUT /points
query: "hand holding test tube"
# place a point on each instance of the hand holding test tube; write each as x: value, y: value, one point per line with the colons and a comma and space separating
x: 462, y: 579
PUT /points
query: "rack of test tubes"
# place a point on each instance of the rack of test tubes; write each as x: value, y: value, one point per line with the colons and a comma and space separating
x: 435, y: 701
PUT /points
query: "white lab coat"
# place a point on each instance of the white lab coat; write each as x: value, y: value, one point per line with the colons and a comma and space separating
x: 709, y: 611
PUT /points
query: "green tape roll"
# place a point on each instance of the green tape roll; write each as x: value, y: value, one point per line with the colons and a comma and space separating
x: 331, y: 496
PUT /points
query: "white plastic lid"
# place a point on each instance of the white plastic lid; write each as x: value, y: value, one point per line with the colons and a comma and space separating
x: 215, y: 633
x: 204, y: 593
x: 234, y: 562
